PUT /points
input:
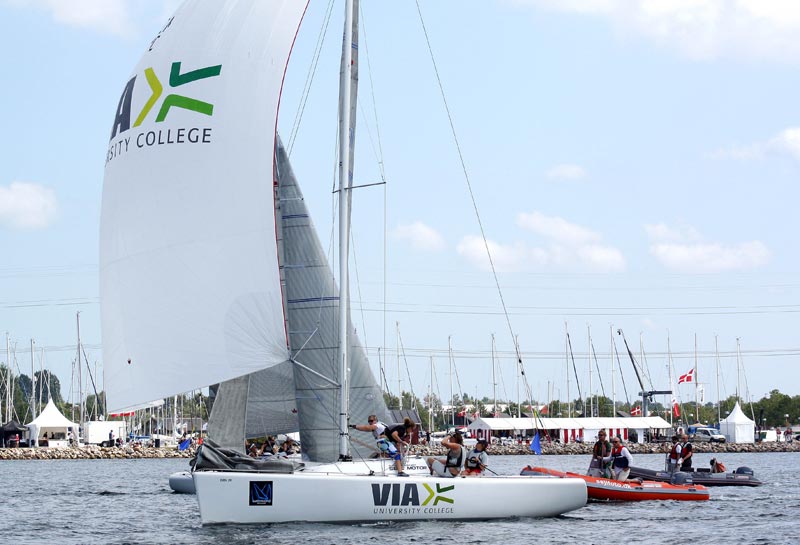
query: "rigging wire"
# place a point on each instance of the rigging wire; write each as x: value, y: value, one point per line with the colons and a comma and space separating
x: 644, y: 367
x: 521, y: 368
x: 621, y: 374
x: 309, y: 78
x: 408, y: 372
x: 597, y: 366
x: 358, y: 284
x: 575, y: 370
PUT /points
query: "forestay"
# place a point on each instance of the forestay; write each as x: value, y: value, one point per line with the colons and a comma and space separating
x: 189, y: 281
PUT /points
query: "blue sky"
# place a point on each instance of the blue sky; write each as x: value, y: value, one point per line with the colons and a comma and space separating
x: 636, y: 165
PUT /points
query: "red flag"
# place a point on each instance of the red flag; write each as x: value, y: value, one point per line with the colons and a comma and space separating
x: 636, y: 411
x: 688, y: 377
x: 676, y: 410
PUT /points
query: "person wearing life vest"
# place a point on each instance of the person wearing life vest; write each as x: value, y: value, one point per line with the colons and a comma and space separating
x: 451, y: 465
x: 388, y: 439
x: 620, y: 459
x: 477, y: 460
x: 685, y: 459
x: 674, y: 455
x: 601, y: 449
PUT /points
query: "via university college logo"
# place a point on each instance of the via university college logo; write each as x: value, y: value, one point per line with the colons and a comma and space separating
x: 159, y: 104
x: 260, y: 492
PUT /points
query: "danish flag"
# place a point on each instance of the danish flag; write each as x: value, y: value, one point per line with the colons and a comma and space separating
x: 636, y: 411
x: 688, y: 377
x: 676, y: 410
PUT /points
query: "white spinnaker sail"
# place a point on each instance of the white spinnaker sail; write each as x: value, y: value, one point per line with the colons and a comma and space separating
x: 189, y: 280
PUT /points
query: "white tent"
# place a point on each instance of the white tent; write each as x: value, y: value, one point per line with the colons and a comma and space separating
x: 569, y: 430
x: 54, y: 424
x: 737, y: 428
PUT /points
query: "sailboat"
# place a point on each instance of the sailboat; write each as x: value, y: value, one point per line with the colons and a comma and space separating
x: 199, y: 271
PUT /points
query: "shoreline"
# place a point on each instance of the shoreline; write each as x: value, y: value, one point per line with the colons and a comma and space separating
x: 138, y: 452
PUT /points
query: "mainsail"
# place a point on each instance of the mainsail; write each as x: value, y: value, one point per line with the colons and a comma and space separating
x: 312, y: 302
x: 303, y: 395
x: 189, y: 279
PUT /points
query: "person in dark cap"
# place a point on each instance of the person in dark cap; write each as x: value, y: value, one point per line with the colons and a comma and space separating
x: 477, y: 460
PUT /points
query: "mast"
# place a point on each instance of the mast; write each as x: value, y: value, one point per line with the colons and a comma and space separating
x: 696, y: 398
x: 80, y: 372
x: 669, y: 371
x: 566, y: 368
x: 738, y: 362
x: 719, y: 404
x: 348, y: 77
x: 613, y: 382
x: 33, y: 383
x: 450, y: 357
x: 399, y: 386
x: 519, y: 401
x: 430, y: 399
x: 9, y: 391
x: 589, y: 362
x: 494, y: 382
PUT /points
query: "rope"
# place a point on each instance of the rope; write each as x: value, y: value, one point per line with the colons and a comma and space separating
x: 309, y: 79
x: 474, y: 202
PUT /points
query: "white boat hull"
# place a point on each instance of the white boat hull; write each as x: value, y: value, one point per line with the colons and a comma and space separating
x: 181, y: 482
x: 413, y: 465
x: 257, y: 498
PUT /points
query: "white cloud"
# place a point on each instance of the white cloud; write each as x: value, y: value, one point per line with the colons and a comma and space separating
x: 700, y: 29
x: 649, y: 324
x: 564, y: 245
x: 506, y: 258
x: 27, y: 206
x: 106, y: 16
x: 421, y: 236
x: 556, y: 228
x: 684, y: 251
x: 662, y: 232
x: 787, y: 142
x: 601, y: 258
x: 566, y: 172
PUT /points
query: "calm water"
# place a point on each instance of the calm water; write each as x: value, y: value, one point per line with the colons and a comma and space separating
x: 129, y: 501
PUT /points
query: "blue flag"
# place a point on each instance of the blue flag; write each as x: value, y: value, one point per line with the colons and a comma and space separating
x: 536, y: 445
x: 184, y: 444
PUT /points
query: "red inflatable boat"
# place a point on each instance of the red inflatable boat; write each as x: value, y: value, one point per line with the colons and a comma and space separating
x: 600, y: 488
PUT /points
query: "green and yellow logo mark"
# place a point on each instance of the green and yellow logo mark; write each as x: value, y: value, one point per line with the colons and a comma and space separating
x: 172, y: 100
x: 435, y: 495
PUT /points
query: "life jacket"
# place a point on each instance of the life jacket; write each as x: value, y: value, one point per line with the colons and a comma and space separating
x: 473, y: 461
x: 455, y: 460
x: 601, y: 449
x: 675, y: 453
x: 379, y: 430
x: 619, y: 460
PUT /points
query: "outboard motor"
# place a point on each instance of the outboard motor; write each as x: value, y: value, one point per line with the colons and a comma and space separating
x: 681, y: 477
x: 744, y: 470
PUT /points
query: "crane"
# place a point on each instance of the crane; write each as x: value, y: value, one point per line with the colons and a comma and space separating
x: 647, y: 395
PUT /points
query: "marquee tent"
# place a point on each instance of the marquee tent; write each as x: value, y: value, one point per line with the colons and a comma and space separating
x: 737, y: 428
x: 10, y: 430
x: 53, y: 424
x: 568, y: 430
